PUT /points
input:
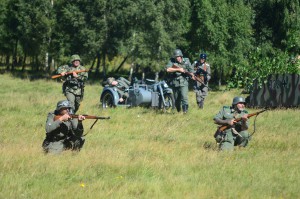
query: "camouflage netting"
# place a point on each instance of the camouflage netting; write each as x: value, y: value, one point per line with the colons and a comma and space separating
x: 278, y: 91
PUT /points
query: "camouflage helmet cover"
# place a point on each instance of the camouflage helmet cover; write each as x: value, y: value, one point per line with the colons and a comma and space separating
x: 237, y: 100
x: 177, y: 53
x: 63, y: 104
x: 74, y: 58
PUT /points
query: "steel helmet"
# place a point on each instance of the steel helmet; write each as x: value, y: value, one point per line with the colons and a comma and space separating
x: 74, y: 58
x: 177, y: 53
x: 63, y: 104
x: 203, y: 56
x: 237, y: 100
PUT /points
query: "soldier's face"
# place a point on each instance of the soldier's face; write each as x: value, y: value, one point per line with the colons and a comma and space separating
x: 240, y: 106
x: 64, y: 111
x: 202, y: 61
x: 76, y: 63
x: 179, y: 59
x: 114, y: 83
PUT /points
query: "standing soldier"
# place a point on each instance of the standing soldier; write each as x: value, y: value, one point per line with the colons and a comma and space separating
x: 177, y: 68
x: 202, y: 69
x: 73, y: 87
x: 236, y: 134
x: 62, y: 132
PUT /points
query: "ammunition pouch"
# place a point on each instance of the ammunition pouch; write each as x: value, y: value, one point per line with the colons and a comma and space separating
x: 73, y: 83
x: 219, y: 136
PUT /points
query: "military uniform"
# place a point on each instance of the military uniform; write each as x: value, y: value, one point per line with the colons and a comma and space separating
x: 203, y: 71
x: 179, y: 82
x: 228, y: 139
x: 122, y: 86
x: 73, y: 88
x: 62, y: 135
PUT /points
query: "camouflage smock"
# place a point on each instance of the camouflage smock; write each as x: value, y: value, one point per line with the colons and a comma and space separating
x: 71, y: 84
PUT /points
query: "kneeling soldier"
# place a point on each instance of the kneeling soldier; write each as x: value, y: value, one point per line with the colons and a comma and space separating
x: 236, y: 133
x: 62, y: 132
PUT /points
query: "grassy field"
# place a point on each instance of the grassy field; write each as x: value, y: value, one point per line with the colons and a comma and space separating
x: 141, y: 153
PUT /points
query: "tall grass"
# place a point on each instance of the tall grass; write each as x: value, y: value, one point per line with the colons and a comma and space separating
x: 142, y: 153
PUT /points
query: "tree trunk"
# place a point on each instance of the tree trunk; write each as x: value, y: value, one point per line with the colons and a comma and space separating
x: 104, y: 63
x: 24, y: 62
x: 92, y: 67
x: 122, y: 63
x: 131, y: 72
x: 14, y: 61
x: 7, y: 62
x: 47, y: 61
x: 98, y: 64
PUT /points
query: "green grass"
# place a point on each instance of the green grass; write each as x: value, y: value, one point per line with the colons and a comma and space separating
x: 141, y: 153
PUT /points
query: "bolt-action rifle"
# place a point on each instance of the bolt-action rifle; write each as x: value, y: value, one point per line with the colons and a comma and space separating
x: 86, y: 117
x: 225, y: 126
x: 69, y: 73
x: 198, y: 79
x: 96, y: 118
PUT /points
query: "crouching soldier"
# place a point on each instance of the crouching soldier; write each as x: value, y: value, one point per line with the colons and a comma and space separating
x: 62, y: 132
x: 235, y: 133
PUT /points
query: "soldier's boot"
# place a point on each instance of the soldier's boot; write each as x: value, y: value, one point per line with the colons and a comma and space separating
x: 178, y: 108
x: 200, y: 104
x: 185, y: 108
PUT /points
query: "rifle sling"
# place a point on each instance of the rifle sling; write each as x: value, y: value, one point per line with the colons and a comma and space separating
x: 91, y: 127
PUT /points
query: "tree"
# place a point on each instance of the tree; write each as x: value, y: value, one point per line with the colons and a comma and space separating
x: 80, y: 28
x: 5, y: 48
x: 156, y: 28
x: 27, y: 26
x: 223, y: 30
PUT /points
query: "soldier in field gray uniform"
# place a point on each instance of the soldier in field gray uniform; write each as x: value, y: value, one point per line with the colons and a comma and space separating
x: 179, y: 80
x: 121, y: 84
x: 62, y: 132
x: 203, y: 71
x: 237, y: 134
x: 73, y: 87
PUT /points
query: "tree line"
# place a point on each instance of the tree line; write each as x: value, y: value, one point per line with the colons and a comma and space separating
x: 242, y: 38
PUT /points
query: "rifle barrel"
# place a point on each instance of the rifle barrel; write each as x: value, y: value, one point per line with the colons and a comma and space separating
x: 91, y: 117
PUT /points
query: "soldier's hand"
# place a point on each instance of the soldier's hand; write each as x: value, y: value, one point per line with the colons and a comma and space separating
x: 231, y: 122
x: 81, y: 117
x: 245, y: 117
x: 181, y: 70
x: 65, y: 117
x: 193, y: 77
x: 75, y: 74
x: 63, y: 73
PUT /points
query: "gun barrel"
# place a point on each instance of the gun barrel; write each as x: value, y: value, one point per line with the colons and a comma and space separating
x: 91, y: 117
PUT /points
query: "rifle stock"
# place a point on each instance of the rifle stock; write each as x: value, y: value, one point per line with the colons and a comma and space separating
x: 86, y: 117
x: 69, y: 73
x: 224, y: 127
